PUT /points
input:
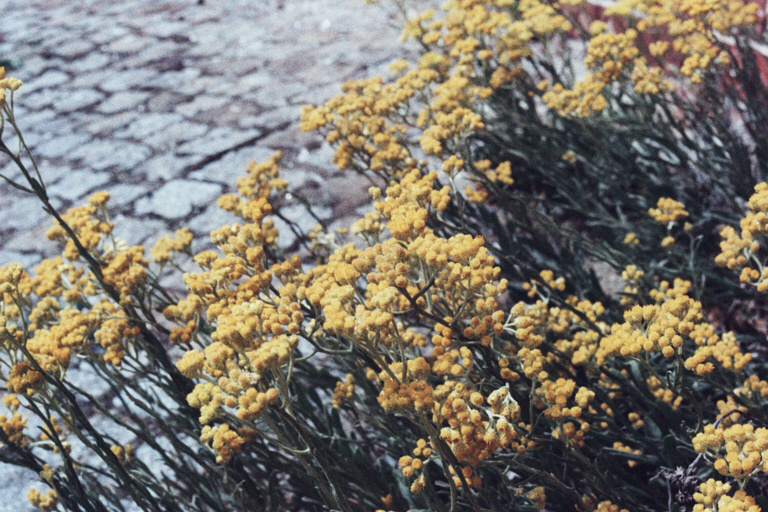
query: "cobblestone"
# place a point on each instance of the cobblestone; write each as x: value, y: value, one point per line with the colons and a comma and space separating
x: 79, y: 100
x: 47, y: 80
x: 72, y: 185
x: 216, y: 141
x: 176, y: 199
x: 89, y: 62
x: 148, y: 124
x: 120, y: 101
x: 60, y: 146
x: 128, y: 79
x: 105, y: 154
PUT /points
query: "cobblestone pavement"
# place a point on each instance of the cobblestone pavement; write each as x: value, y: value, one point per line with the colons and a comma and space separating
x: 164, y: 102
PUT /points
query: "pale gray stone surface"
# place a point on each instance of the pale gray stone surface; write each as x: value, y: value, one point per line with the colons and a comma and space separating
x: 120, y: 101
x: 175, y: 134
x: 80, y: 99
x: 57, y: 147
x: 47, y: 80
x: 105, y: 154
x: 217, y: 140
x: 147, y: 125
x: 177, y: 199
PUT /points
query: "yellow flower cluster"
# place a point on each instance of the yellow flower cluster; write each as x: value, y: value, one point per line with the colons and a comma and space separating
x: 538, y: 497
x: 739, y: 251
x: 652, y: 328
x: 607, y: 506
x: 123, y: 453
x: 668, y: 210
x: 13, y: 429
x: 124, y: 268
x: 47, y: 501
x: 165, y: 246
x: 477, y: 426
x: 740, y: 450
x: 555, y: 396
x: 666, y: 326
x: 9, y: 83
x: 410, y: 394
x: 225, y: 442
x: 254, y: 326
x: 713, y: 497
x: 90, y: 227
x: 754, y: 388
x: 344, y: 391
x: 693, y: 27
x: 551, y: 284
x: 633, y: 276
x: 618, y: 445
x: 357, y: 122
x: 56, y: 333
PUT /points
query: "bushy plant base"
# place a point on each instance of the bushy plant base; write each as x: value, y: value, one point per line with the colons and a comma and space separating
x: 454, y: 348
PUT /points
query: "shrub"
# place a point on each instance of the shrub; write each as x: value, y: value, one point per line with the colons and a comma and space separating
x: 458, y: 348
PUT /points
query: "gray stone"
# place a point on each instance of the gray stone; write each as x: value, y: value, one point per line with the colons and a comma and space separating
x: 120, y: 101
x: 251, y: 82
x: 89, y: 62
x: 266, y: 98
x: 33, y: 119
x: 166, y: 28
x: 137, y: 231
x: 76, y: 184
x: 127, y: 80
x: 53, y: 172
x: 175, y: 134
x: 105, y: 125
x: 129, y: 43
x: 272, y: 118
x: 126, y: 193
x: 217, y: 140
x: 103, y: 154
x: 28, y: 260
x: 201, y: 104
x: 314, y: 95
x: 232, y: 166
x: 157, y: 52
x: 229, y: 114
x: 164, y: 101
x: 177, y: 199
x: 60, y: 146
x: 291, y: 138
x: 148, y: 124
x: 9, y: 169
x: 44, y: 97
x: 30, y: 138
x: 109, y: 32
x: 200, y: 85
x: 80, y: 99
x: 173, y: 79
x: 21, y: 213
x: 73, y: 49
x: 320, y: 157
x: 14, y: 486
x: 166, y: 166
x: 46, y: 80
x: 211, y: 219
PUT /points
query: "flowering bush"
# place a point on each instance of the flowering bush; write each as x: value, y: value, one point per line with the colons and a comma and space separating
x: 459, y: 346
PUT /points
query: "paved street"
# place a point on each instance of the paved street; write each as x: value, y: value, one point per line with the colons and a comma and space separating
x: 163, y: 103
